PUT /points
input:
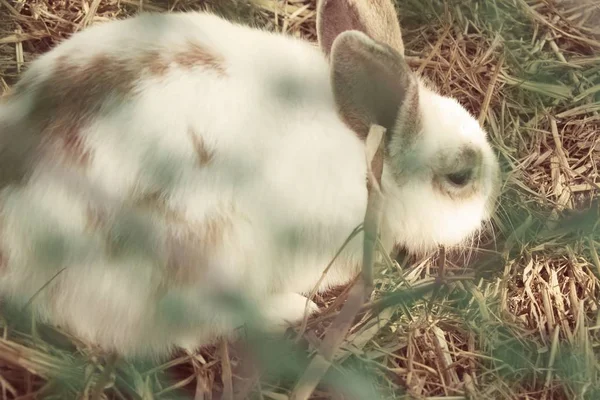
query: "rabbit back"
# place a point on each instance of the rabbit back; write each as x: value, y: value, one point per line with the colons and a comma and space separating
x: 166, y: 157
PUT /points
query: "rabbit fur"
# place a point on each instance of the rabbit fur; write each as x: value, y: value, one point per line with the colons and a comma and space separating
x: 149, y: 164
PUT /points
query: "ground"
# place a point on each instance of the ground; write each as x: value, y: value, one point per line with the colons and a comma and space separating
x: 514, y: 317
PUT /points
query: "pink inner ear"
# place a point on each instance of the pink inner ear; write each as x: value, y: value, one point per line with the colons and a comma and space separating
x: 335, y: 17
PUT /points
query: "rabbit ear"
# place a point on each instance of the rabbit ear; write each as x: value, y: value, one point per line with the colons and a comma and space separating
x: 376, y: 18
x: 370, y: 81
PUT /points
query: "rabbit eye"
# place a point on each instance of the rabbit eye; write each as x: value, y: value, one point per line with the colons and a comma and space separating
x: 460, y: 178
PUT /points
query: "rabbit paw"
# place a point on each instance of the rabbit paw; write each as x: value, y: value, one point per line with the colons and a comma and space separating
x: 286, y: 309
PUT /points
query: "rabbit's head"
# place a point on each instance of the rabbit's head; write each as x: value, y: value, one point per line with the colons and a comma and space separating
x: 440, y: 176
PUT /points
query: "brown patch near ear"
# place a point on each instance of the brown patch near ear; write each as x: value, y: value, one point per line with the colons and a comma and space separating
x: 376, y: 18
x: 205, y: 155
x: 196, y: 55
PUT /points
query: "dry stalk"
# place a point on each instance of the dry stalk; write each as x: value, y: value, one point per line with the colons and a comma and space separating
x: 363, y: 286
x: 226, y: 374
x: 104, y: 377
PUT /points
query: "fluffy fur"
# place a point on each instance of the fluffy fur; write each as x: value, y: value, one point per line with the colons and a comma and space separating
x: 168, y: 158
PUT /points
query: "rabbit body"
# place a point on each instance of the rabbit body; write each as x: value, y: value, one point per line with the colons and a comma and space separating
x: 228, y: 170
x: 150, y: 164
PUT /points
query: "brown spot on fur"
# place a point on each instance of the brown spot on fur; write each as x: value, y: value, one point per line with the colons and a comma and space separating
x: 89, y: 84
x: 154, y: 62
x: 152, y: 200
x: 157, y: 62
x: 205, y: 155
x: 197, y: 55
x: 68, y: 130
x: 190, y: 246
x: 155, y: 201
x: 214, y: 228
x: 66, y: 102
x: 184, y: 260
x: 73, y: 95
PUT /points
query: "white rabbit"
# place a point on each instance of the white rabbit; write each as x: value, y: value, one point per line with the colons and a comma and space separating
x: 148, y: 164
